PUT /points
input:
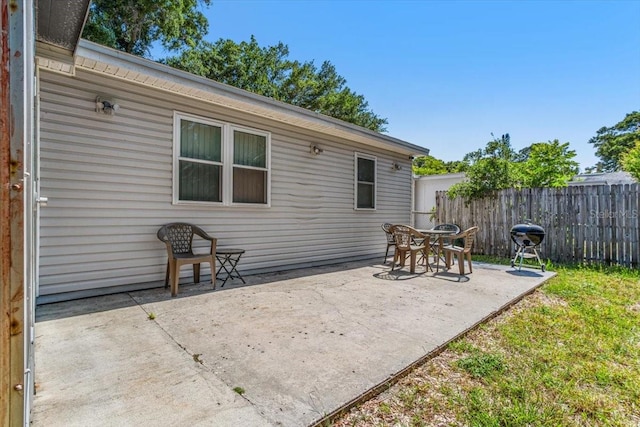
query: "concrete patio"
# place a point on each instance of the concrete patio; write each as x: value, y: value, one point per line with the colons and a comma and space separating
x: 295, y: 346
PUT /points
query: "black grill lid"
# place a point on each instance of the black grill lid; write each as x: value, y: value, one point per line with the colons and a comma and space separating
x: 527, y: 234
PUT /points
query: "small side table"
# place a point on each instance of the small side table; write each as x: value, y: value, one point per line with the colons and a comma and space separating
x: 229, y: 259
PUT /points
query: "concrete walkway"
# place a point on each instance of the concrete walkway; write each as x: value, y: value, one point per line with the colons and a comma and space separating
x: 295, y: 346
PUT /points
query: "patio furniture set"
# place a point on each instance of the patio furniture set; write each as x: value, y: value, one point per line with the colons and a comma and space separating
x: 442, y: 241
x: 407, y: 242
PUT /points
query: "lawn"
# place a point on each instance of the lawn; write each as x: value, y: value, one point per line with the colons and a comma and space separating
x: 566, y: 355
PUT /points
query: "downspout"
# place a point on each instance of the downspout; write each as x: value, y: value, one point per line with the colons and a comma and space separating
x: 412, y: 219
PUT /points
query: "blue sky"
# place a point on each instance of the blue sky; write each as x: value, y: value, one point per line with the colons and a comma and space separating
x: 447, y: 74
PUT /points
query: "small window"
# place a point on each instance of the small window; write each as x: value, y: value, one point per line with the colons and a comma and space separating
x: 219, y: 163
x: 365, y: 182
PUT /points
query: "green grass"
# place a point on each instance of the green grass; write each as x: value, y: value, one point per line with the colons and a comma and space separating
x: 567, y: 355
x: 482, y: 365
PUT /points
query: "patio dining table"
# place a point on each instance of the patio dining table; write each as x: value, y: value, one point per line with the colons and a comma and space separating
x: 440, y: 234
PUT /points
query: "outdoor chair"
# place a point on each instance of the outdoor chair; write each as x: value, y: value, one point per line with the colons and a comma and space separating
x: 406, y: 245
x: 391, y: 242
x: 462, y: 252
x: 178, y: 238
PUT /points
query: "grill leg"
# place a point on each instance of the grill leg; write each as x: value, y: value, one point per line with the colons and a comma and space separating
x: 542, y: 266
x: 519, y: 253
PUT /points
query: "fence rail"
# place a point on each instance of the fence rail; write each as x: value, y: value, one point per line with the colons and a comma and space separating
x: 592, y: 224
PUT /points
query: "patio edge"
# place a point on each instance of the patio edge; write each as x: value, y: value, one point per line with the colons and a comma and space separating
x: 393, y: 379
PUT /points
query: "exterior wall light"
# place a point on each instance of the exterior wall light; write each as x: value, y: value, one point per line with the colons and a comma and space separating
x: 395, y: 166
x: 316, y: 150
x: 106, y: 107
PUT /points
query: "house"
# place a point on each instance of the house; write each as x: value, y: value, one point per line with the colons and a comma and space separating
x: 100, y: 148
x: 602, y: 178
x: 121, y: 153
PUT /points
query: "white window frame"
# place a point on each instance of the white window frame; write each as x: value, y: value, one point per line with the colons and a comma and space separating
x: 375, y: 181
x: 228, y: 186
x: 226, y: 160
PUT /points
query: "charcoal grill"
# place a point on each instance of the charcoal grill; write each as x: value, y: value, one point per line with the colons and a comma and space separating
x: 527, y: 237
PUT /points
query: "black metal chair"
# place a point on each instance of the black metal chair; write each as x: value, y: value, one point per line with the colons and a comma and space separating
x: 386, y: 227
x: 178, y: 238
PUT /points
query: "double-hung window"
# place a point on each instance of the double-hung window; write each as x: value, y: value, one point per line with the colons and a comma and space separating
x: 250, y: 172
x: 365, y: 181
x: 199, y: 160
x: 220, y: 163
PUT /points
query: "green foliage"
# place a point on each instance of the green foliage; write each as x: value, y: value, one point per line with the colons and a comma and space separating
x: 456, y: 166
x: 498, y: 166
x: 268, y: 71
x: 547, y: 164
x: 429, y: 165
x: 631, y: 161
x: 613, y: 142
x: 133, y: 25
x: 490, y: 169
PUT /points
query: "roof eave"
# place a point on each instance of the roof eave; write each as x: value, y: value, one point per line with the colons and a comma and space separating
x: 96, y: 58
x: 59, y: 23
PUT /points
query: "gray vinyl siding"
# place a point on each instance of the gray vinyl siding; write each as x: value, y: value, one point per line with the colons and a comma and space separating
x: 109, y: 184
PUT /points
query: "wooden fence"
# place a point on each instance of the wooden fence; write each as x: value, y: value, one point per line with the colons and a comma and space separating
x: 591, y: 224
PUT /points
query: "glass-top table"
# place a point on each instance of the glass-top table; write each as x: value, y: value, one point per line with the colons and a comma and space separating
x: 440, y: 234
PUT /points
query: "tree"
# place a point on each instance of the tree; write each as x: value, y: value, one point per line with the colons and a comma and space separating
x: 429, y: 165
x: 631, y: 161
x: 547, y: 164
x: 268, y: 71
x: 456, y: 166
x: 498, y: 166
x: 490, y: 169
x: 612, y: 142
x: 133, y: 25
